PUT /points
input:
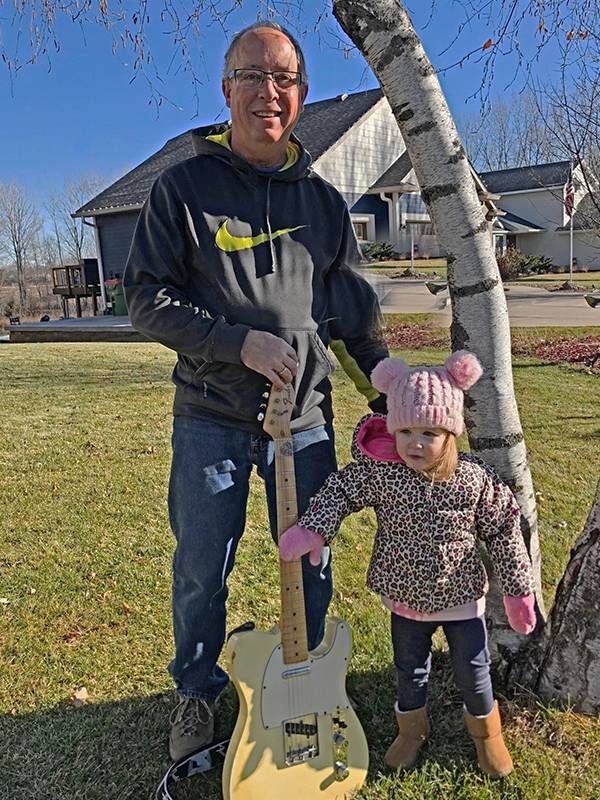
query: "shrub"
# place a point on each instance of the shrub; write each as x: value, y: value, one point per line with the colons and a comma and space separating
x: 379, y: 251
x: 514, y: 263
x: 11, y: 309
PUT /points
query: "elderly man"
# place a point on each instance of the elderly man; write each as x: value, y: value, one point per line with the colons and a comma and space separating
x: 240, y: 263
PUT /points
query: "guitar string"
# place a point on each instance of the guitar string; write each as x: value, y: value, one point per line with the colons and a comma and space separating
x: 293, y: 688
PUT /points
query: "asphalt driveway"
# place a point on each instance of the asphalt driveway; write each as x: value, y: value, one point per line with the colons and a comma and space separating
x: 527, y: 306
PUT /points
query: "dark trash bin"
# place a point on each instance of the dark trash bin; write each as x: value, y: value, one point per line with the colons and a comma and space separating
x: 116, y: 296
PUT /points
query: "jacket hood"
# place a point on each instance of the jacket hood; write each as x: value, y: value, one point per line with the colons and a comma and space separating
x: 371, y: 440
x: 206, y: 147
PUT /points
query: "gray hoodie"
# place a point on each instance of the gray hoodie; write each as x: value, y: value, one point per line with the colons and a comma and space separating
x: 220, y: 248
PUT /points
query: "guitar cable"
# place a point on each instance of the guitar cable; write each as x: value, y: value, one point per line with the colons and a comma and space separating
x: 193, y: 764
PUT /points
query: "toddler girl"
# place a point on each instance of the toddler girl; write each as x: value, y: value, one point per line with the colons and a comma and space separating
x: 432, y: 505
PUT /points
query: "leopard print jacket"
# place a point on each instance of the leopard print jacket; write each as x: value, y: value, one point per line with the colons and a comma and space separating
x: 425, y: 551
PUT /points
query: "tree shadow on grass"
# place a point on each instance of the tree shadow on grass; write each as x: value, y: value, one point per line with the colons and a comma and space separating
x: 94, y: 752
x: 118, y: 750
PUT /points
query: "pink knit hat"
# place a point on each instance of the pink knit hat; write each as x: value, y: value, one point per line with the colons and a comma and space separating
x: 426, y: 396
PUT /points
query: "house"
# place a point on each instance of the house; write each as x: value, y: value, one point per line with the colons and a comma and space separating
x: 526, y: 205
x: 534, y: 220
x: 353, y: 139
x: 355, y: 143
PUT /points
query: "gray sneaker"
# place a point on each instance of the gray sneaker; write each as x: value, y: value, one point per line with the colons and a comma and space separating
x: 192, y: 726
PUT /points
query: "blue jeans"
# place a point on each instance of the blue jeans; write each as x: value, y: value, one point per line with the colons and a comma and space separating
x: 467, y: 642
x: 208, y: 492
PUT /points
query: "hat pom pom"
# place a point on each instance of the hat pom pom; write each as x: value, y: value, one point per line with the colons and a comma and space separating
x: 464, y: 369
x: 387, y: 371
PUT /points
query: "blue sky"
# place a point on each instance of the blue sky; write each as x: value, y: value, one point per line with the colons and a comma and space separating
x: 79, y: 113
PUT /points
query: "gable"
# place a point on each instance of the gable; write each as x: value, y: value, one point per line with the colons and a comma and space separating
x: 359, y: 157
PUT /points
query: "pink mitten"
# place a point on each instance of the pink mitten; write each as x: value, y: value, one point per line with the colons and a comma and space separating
x: 297, y: 541
x: 520, y: 612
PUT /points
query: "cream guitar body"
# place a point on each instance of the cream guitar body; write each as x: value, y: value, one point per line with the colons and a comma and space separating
x: 296, y: 737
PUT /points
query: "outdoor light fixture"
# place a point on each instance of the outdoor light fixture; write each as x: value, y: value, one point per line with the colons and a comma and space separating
x: 436, y: 287
x: 592, y: 300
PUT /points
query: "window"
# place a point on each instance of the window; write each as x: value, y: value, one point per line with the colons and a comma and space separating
x: 364, y: 227
x: 360, y: 229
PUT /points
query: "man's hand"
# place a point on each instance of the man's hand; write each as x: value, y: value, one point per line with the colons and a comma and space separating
x: 271, y: 356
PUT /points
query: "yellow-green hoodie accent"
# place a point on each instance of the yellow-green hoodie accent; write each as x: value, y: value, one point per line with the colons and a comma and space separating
x: 353, y: 371
x: 230, y: 244
x: 292, y: 154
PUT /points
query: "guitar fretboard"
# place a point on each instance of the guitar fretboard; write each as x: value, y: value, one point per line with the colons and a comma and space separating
x: 293, y: 617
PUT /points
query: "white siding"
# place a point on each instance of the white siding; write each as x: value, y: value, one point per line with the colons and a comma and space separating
x: 556, y: 247
x: 363, y: 154
x: 546, y: 209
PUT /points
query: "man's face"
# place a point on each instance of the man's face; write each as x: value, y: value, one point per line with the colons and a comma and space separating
x: 264, y: 116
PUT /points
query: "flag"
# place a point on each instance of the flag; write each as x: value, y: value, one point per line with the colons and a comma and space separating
x: 569, y: 195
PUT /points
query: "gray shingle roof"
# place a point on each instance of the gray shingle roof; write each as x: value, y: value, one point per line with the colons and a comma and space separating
x: 520, y: 179
x: 512, y: 222
x: 394, y: 175
x: 321, y: 125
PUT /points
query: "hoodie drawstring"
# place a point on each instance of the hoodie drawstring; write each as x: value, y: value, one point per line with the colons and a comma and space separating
x: 268, y: 213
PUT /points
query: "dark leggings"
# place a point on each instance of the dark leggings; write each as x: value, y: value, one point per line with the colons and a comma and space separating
x: 467, y: 642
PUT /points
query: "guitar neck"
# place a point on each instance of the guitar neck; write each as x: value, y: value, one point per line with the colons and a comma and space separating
x: 293, y: 616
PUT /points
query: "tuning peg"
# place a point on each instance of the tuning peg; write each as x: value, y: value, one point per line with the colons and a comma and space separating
x: 260, y: 416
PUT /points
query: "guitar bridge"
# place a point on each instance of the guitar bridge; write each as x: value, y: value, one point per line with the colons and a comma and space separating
x: 300, y: 739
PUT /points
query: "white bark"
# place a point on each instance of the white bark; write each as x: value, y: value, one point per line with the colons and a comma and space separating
x: 382, y: 30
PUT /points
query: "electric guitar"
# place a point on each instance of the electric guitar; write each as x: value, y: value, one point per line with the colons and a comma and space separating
x: 297, y: 737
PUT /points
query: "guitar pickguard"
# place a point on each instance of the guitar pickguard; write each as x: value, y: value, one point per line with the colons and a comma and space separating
x: 312, y: 686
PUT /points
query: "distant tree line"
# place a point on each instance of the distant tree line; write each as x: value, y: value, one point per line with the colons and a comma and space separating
x: 35, y: 238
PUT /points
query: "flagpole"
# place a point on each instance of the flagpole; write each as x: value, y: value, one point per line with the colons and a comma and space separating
x: 571, y: 249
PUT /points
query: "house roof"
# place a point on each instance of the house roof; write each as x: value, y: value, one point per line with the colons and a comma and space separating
x: 515, y: 224
x: 394, y: 180
x: 394, y: 176
x: 321, y: 125
x: 521, y: 179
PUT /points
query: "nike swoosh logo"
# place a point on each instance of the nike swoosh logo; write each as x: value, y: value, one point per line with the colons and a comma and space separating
x: 230, y: 244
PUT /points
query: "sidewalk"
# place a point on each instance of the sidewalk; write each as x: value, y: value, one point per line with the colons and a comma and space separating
x: 527, y: 306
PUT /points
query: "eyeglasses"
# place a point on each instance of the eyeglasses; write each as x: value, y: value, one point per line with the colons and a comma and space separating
x: 252, y: 78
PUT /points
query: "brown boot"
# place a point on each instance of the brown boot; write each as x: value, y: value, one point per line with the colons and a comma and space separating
x: 413, y: 730
x: 486, y: 732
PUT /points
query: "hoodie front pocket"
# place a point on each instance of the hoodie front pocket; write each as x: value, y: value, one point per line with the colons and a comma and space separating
x: 321, y: 353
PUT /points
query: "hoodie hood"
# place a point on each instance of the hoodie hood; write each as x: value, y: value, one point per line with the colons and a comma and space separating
x: 207, y: 146
x: 216, y: 144
x: 371, y: 440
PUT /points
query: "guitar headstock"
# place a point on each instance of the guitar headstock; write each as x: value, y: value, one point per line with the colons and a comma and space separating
x: 279, y: 412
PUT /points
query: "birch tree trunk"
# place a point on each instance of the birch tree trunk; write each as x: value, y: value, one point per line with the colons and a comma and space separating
x: 383, y: 31
x: 569, y: 669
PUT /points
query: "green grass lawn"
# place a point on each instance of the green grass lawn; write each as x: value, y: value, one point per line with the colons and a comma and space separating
x: 85, y: 586
x: 422, y: 265
x: 425, y: 263
x: 585, y: 280
x: 552, y: 279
